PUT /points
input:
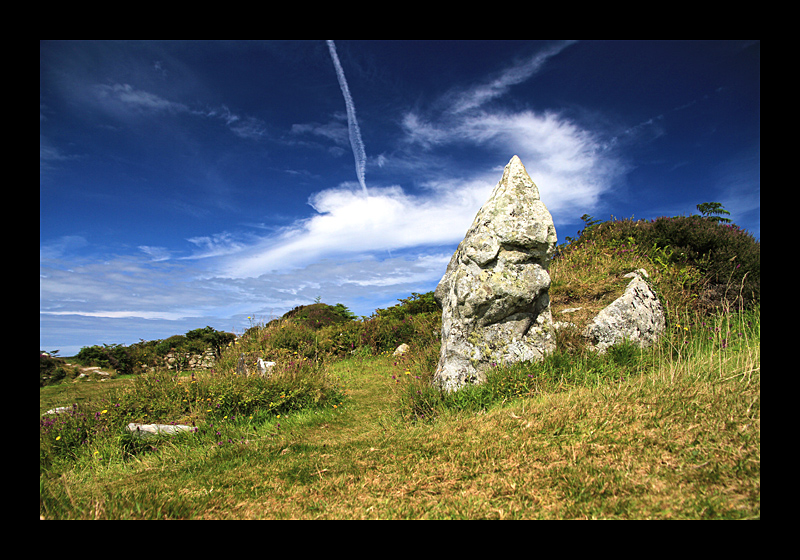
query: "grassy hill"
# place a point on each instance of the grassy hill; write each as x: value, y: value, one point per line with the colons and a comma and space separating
x: 346, y: 430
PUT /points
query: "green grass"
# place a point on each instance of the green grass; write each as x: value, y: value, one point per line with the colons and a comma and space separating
x: 671, y: 433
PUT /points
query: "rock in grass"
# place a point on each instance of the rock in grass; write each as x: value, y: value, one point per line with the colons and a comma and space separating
x: 59, y: 410
x: 143, y: 430
x: 495, y: 292
x: 636, y: 316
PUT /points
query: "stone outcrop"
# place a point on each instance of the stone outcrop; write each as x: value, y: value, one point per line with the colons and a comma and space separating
x: 495, y: 292
x: 188, y: 361
x: 637, y: 316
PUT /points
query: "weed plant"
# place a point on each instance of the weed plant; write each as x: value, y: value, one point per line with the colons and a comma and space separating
x: 202, y: 401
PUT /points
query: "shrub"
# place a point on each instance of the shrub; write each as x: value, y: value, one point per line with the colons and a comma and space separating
x: 319, y: 315
x: 385, y: 333
x: 125, y: 359
x: 728, y: 257
x: 297, y: 337
x: 718, y: 262
x: 52, y: 370
x: 318, y: 332
x: 207, y: 337
x: 115, y: 356
x: 414, y: 305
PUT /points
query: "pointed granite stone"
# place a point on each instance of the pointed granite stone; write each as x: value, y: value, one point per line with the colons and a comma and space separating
x: 495, y: 292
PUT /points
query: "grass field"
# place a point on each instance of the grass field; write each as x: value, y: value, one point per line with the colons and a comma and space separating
x: 670, y: 433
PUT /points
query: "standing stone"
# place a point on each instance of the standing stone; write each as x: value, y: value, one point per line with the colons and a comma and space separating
x: 495, y: 292
x: 637, y: 316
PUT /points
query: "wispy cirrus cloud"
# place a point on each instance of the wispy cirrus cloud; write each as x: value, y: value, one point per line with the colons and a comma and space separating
x: 56, y: 248
x: 126, y: 100
x: 472, y: 97
x: 214, y: 245
x: 334, y: 130
x: 573, y: 165
x: 156, y: 253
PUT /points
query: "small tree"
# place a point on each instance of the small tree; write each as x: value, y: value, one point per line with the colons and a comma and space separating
x: 709, y: 209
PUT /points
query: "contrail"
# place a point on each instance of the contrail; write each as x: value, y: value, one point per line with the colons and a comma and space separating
x: 359, y: 153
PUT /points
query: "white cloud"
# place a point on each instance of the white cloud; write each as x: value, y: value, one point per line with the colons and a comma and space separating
x: 58, y: 247
x: 423, y: 133
x: 149, y: 315
x: 214, y: 245
x: 476, y: 96
x: 334, y: 130
x: 156, y: 253
x: 124, y: 97
x: 123, y: 100
x: 250, y: 128
x: 572, y: 166
x: 348, y: 223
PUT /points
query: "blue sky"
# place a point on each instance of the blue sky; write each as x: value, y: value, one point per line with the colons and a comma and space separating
x: 185, y: 184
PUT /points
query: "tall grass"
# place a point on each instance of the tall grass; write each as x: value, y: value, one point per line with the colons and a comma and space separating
x: 220, y: 406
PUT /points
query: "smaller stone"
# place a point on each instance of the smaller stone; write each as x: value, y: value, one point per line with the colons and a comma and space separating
x: 59, y: 410
x: 402, y: 349
x: 144, y: 430
x: 636, y: 316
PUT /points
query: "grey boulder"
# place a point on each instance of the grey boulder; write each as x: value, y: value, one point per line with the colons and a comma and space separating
x: 495, y: 292
x: 636, y: 316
